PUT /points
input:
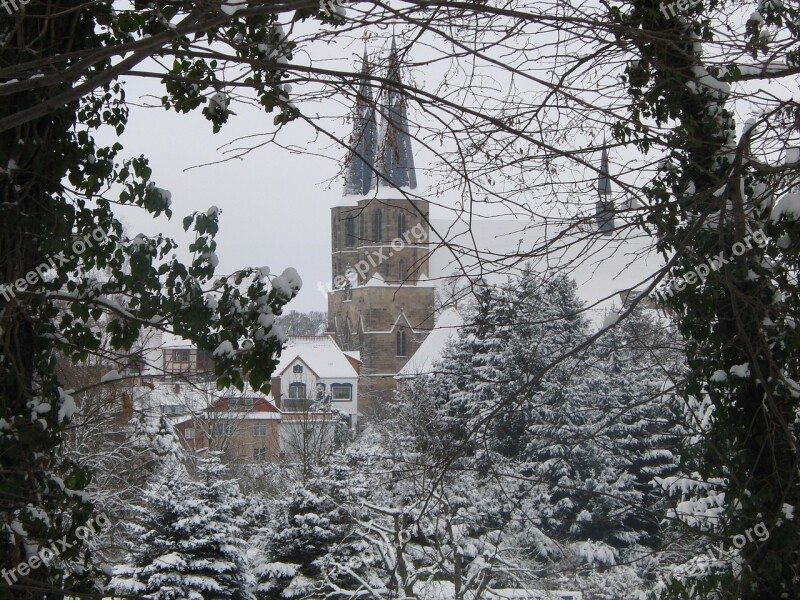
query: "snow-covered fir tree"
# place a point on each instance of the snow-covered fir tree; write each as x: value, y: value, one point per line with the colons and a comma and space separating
x: 576, y: 445
x: 186, y: 540
x: 311, y: 529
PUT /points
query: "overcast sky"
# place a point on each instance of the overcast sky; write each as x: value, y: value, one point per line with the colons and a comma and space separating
x: 275, y: 204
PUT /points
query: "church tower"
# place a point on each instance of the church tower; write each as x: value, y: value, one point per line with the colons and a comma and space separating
x: 382, y: 302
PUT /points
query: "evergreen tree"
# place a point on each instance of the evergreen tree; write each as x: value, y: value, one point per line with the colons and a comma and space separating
x: 310, y: 530
x: 576, y: 444
x: 186, y: 541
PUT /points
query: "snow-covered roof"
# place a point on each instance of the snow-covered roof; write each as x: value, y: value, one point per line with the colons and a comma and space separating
x: 354, y: 354
x: 445, y: 329
x: 170, y: 340
x: 376, y: 281
x: 320, y: 353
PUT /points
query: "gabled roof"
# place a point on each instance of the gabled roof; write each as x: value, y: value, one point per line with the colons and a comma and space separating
x: 320, y: 353
x: 431, y: 349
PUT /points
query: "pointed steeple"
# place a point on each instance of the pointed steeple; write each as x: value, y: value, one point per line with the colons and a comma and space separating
x: 603, y: 181
x: 359, y: 176
x: 395, y: 158
x: 604, y: 207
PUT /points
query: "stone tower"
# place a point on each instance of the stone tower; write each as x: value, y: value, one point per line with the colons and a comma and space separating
x: 382, y: 302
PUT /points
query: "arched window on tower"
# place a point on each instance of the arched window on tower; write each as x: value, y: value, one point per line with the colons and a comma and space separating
x: 401, y: 224
x: 402, y: 343
x: 350, y: 232
x: 378, y: 225
x: 401, y: 270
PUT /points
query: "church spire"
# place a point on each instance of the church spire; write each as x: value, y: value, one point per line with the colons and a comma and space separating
x: 603, y: 181
x: 604, y: 208
x: 359, y: 176
x: 395, y: 158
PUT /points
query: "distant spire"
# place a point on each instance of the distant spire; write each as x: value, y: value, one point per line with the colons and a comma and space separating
x: 359, y: 176
x: 395, y: 158
x: 603, y: 181
x: 604, y: 208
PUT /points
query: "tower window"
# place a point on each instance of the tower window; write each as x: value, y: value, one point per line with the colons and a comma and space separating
x: 378, y: 225
x: 348, y: 291
x: 401, y: 270
x: 350, y: 232
x: 402, y: 343
x: 401, y: 224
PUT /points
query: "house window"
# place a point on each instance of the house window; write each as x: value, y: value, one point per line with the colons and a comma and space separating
x: 350, y: 232
x: 188, y: 433
x: 401, y: 270
x: 222, y: 428
x: 297, y: 391
x: 401, y: 224
x: 248, y: 403
x: 342, y: 391
x: 181, y: 355
x: 378, y: 225
x: 297, y: 369
x: 259, y: 429
x: 402, y: 343
x: 260, y: 453
x: 171, y: 409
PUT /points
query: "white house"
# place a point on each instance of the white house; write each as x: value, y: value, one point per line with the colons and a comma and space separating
x: 315, y: 368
